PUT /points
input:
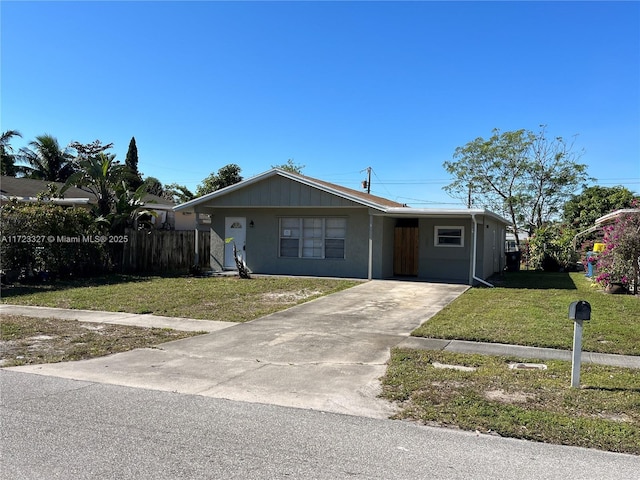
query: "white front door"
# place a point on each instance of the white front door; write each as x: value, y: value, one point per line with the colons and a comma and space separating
x: 235, y: 231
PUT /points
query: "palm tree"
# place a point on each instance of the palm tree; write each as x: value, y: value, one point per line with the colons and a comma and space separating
x: 105, y: 177
x: 45, y: 160
x: 7, y: 160
x: 100, y: 174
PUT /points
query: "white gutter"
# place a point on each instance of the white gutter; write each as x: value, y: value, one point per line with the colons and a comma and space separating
x: 473, y: 256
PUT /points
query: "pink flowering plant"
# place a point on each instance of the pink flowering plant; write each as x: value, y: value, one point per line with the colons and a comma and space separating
x: 619, y: 262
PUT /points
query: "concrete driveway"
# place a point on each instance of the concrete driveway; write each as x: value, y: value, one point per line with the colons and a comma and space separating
x: 327, y: 354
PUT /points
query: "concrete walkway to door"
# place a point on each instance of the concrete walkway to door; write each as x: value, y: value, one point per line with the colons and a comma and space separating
x: 327, y: 354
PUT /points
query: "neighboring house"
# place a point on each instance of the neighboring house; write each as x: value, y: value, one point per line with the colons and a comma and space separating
x: 27, y: 190
x: 286, y: 223
x: 600, y: 222
x: 511, y: 245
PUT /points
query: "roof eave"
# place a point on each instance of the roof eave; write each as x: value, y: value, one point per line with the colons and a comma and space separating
x: 437, y: 212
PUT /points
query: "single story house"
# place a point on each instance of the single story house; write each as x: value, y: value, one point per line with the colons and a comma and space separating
x: 604, y: 220
x: 286, y: 223
x: 29, y: 190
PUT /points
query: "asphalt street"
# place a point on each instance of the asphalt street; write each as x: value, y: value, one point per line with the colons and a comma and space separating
x: 55, y: 428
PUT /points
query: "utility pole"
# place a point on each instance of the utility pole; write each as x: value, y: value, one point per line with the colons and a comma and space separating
x: 367, y: 183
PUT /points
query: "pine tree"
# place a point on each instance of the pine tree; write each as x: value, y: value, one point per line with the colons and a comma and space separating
x: 134, y: 179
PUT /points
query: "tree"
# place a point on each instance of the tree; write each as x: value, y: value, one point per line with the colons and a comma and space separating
x: 582, y: 210
x: 118, y: 207
x: 290, y: 167
x: 100, y: 174
x: 226, y: 176
x: 134, y: 179
x: 493, y: 173
x: 178, y: 193
x: 45, y: 160
x: 7, y: 157
x: 554, y: 175
x: 86, y: 150
x: 520, y: 174
x: 153, y: 186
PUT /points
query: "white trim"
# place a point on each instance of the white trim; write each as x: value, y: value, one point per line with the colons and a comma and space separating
x: 286, y: 234
x: 613, y: 215
x: 436, y: 236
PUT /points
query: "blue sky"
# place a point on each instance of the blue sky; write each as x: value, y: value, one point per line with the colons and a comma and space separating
x: 335, y: 86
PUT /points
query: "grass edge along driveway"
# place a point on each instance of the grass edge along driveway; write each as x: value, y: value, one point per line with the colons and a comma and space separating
x: 228, y: 299
x: 532, y: 309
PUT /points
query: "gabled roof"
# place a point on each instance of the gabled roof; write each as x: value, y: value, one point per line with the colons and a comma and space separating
x: 361, y: 198
x: 383, y: 206
x: 28, y: 189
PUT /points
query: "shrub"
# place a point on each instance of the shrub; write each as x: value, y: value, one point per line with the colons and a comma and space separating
x: 619, y: 262
x: 551, y: 249
x: 49, y: 240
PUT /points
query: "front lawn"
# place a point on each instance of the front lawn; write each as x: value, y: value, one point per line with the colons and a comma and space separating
x: 27, y: 341
x: 532, y: 308
x: 214, y: 298
x: 537, y: 405
x: 526, y: 308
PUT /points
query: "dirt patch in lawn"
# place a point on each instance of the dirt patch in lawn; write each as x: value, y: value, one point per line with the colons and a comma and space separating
x: 28, y: 340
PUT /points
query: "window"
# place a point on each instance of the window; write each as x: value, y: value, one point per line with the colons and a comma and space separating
x: 449, y: 237
x: 312, y: 237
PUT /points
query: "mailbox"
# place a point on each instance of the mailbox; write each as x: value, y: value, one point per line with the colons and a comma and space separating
x: 580, y: 310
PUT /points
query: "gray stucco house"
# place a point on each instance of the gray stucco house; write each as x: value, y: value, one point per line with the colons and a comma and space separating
x: 290, y: 224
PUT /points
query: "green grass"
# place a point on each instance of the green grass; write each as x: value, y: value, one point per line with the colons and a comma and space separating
x: 529, y: 404
x: 215, y: 298
x: 531, y: 308
x: 527, y: 308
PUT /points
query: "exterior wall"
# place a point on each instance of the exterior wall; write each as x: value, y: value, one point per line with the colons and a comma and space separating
x: 488, y: 251
x: 277, y: 191
x: 185, y: 220
x: 444, y: 264
x: 386, y: 226
x: 262, y: 242
x: 264, y: 202
x: 435, y: 263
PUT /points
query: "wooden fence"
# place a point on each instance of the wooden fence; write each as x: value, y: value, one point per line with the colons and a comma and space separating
x: 158, y: 251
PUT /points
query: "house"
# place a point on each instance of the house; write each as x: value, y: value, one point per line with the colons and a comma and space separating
x: 602, y: 221
x: 26, y: 190
x: 285, y: 223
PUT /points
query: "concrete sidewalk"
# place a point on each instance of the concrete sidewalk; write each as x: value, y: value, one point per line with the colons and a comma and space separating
x: 117, y: 318
x: 519, y: 351
x: 194, y: 325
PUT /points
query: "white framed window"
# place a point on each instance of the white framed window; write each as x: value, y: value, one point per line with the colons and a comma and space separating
x: 449, y: 236
x: 308, y: 237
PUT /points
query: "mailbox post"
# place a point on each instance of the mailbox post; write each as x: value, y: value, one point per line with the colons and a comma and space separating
x: 578, y: 312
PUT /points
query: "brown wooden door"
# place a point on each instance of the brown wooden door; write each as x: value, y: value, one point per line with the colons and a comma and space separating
x: 405, y: 251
